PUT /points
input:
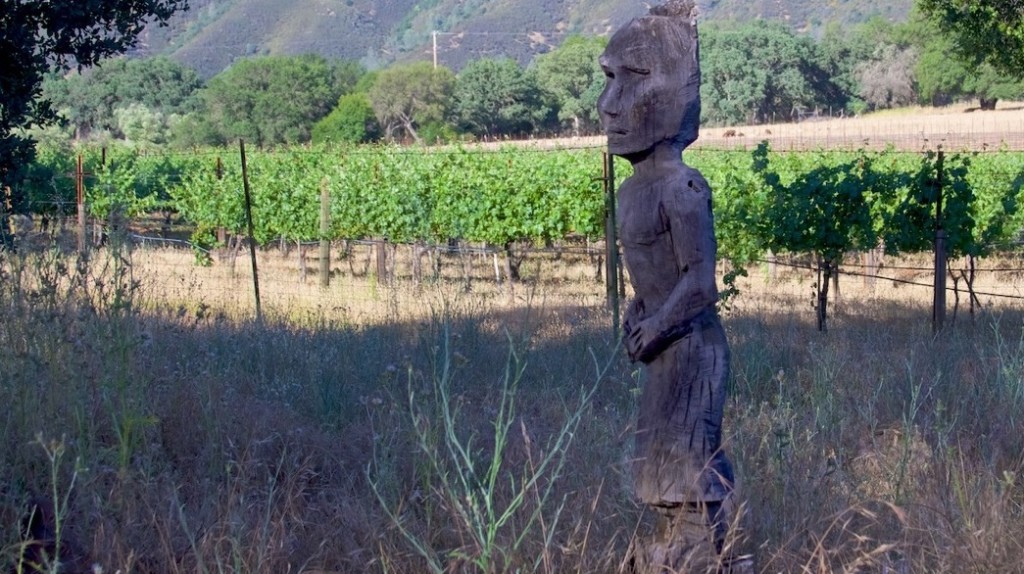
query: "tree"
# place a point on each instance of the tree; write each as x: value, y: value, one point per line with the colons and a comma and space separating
x: 89, y: 100
x: 347, y: 75
x: 272, y: 99
x: 887, y: 79
x: 195, y: 130
x: 497, y: 98
x: 365, y: 82
x: 990, y: 86
x: 140, y: 124
x: 943, y: 78
x: 945, y: 73
x: 351, y: 121
x: 572, y: 76
x: 38, y: 36
x: 990, y: 31
x: 841, y: 50
x: 406, y: 97
x: 757, y: 72
x: 940, y: 76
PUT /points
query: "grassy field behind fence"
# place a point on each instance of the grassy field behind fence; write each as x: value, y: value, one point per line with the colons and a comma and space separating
x: 155, y: 427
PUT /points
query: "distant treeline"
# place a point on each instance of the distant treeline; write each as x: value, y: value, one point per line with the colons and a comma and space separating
x: 754, y: 72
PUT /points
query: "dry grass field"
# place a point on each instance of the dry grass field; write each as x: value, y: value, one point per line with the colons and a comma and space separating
x: 955, y: 128
x: 154, y: 426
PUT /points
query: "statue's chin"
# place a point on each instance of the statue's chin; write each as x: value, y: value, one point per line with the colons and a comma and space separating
x: 624, y: 144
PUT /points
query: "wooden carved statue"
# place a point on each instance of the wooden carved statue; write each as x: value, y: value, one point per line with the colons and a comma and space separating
x: 650, y: 110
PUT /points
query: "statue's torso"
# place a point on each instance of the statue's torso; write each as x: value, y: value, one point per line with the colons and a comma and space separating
x: 657, y: 255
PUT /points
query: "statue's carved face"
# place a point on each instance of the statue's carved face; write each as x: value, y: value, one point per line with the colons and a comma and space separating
x: 652, y: 92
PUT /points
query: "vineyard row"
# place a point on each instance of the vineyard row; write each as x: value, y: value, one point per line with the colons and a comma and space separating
x: 824, y: 202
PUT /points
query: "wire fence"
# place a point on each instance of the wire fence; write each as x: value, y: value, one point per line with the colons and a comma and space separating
x: 382, y: 282
x: 360, y: 271
x: 364, y: 275
x: 360, y: 268
x: 1010, y: 288
x: 980, y: 132
x: 952, y: 130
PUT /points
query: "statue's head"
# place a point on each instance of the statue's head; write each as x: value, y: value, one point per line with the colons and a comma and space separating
x: 652, y: 94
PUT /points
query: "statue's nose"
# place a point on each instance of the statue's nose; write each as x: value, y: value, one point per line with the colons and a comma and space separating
x: 608, y: 104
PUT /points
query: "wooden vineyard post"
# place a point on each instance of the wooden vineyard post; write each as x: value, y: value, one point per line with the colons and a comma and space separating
x: 611, y: 242
x: 380, y: 248
x: 80, y: 201
x: 939, y: 304
x: 252, y: 234
x: 6, y: 211
x: 325, y: 231
x: 510, y: 277
x: 99, y: 227
x: 222, y: 233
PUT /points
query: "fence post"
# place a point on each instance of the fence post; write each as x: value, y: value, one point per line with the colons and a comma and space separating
x: 80, y: 201
x: 380, y: 247
x: 939, y: 300
x: 611, y: 242
x: 222, y: 233
x: 6, y: 211
x: 325, y: 230
x: 252, y: 234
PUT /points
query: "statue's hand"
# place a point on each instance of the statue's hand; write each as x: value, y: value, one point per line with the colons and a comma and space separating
x: 644, y: 340
x: 631, y: 329
x: 636, y: 311
x: 640, y: 339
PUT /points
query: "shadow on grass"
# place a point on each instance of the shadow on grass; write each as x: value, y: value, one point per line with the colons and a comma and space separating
x: 192, y: 442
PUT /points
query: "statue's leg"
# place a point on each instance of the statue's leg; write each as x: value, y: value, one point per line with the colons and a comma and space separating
x: 693, y: 539
x: 681, y: 542
x: 679, y: 458
x: 681, y: 471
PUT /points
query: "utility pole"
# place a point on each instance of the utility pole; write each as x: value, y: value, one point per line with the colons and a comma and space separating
x: 433, y: 36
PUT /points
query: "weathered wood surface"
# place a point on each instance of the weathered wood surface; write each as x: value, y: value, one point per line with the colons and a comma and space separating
x: 650, y: 110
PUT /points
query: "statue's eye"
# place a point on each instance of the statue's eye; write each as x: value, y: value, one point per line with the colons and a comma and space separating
x: 640, y: 71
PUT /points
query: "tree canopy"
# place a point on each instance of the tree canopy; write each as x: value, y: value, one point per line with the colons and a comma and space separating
x: 90, y: 100
x: 271, y: 99
x: 351, y: 121
x: 948, y: 50
x: 887, y: 78
x: 497, y: 97
x: 960, y: 57
x: 573, y: 77
x: 757, y: 71
x: 37, y: 36
x: 989, y: 31
x: 407, y: 97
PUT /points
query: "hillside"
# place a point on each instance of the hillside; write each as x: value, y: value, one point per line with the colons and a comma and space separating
x: 213, y: 33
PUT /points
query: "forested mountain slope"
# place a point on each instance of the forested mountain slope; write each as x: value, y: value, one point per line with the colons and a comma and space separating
x: 213, y: 33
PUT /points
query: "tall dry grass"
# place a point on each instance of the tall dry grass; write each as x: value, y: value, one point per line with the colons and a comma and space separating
x: 408, y: 429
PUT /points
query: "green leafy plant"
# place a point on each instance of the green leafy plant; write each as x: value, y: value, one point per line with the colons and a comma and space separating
x: 493, y: 507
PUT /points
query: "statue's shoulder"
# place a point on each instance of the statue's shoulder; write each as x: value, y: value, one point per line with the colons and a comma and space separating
x: 687, y: 182
x: 694, y: 178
